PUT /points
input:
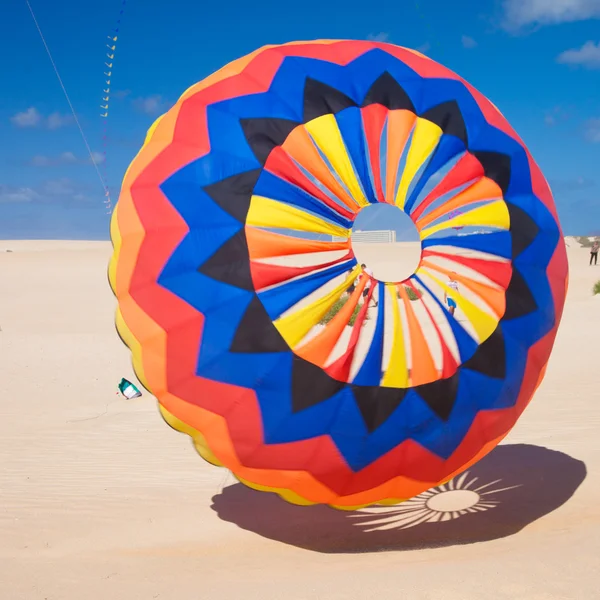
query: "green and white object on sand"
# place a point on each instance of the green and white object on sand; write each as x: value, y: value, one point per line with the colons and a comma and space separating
x: 128, y: 389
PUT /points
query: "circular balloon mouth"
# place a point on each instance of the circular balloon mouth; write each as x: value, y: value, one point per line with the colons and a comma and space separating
x: 386, y: 241
x: 323, y: 265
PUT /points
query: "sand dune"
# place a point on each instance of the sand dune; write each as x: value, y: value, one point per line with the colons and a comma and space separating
x: 100, y: 499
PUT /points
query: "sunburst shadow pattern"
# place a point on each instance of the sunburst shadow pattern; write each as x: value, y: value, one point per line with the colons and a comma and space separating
x: 461, y: 496
x: 497, y: 497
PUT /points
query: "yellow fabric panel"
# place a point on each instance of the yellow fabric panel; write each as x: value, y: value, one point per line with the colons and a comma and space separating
x: 115, y: 236
x: 287, y: 495
x: 135, y: 347
x: 396, y: 373
x: 265, y: 212
x: 392, y: 501
x: 199, y: 440
x: 483, y: 323
x: 296, y: 325
x: 152, y: 129
x: 326, y: 135
x: 425, y: 138
x: 494, y: 214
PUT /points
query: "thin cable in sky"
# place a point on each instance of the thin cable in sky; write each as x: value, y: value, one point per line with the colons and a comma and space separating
x: 104, y: 187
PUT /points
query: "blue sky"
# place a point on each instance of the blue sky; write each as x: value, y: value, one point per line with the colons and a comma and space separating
x: 537, y: 60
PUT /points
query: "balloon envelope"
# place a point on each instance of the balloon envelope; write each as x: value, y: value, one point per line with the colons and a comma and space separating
x: 231, y: 245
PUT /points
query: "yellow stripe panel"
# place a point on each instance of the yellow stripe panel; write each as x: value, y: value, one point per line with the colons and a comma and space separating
x: 115, y: 236
x: 294, y: 327
x: 136, y: 348
x: 327, y: 136
x: 483, y: 323
x: 287, y: 495
x: 199, y: 440
x: 494, y: 214
x: 396, y: 373
x: 425, y: 138
x: 152, y: 129
x: 265, y: 212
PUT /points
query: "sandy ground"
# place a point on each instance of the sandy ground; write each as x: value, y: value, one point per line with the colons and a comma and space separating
x: 99, y: 499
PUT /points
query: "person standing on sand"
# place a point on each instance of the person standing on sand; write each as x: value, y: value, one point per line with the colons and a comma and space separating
x: 369, y: 274
x: 451, y: 302
x: 594, y: 252
x: 352, y: 286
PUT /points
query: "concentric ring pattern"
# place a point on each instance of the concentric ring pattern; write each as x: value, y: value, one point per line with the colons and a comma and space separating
x: 231, y: 244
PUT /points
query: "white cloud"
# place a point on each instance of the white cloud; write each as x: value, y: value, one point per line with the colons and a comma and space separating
x: 28, y: 118
x: 382, y: 36
x: 33, y: 118
x: 556, y: 115
x: 592, y: 131
x: 575, y: 184
x: 152, y: 105
x: 59, y: 187
x: 520, y: 13
x: 40, y: 161
x: 56, y: 120
x: 68, y: 157
x: 63, y: 191
x: 587, y: 56
x: 14, y: 194
x: 120, y: 94
x: 468, y: 42
x: 97, y: 158
x: 424, y: 48
x: 65, y: 158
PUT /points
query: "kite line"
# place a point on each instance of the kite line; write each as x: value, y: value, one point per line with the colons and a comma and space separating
x: 64, y: 89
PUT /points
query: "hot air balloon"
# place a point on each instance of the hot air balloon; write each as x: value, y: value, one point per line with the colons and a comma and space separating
x: 252, y: 168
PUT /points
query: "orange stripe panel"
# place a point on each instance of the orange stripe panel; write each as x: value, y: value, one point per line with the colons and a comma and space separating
x: 422, y: 368
x: 267, y: 244
x: 282, y: 165
x: 318, y: 349
x: 493, y: 297
x: 483, y: 189
x: 264, y: 275
x: 340, y: 369
x: 400, y: 125
x: 495, y: 270
x: 300, y: 147
x: 374, y: 118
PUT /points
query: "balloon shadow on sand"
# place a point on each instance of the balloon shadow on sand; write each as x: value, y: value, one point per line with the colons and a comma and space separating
x: 508, y: 489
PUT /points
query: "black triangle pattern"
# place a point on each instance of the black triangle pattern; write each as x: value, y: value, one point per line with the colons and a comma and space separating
x: 234, y: 193
x: 490, y: 357
x: 496, y: 166
x: 389, y: 93
x: 264, y: 134
x: 311, y: 385
x: 231, y: 263
x: 449, y: 119
x: 376, y: 404
x: 256, y: 332
x: 519, y: 298
x: 523, y: 229
x: 322, y: 99
x: 440, y: 395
